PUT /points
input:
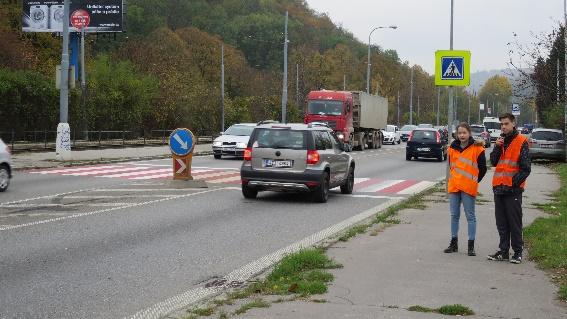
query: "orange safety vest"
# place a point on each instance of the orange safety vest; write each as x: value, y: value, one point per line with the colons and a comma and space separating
x: 509, y: 165
x: 464, y: 170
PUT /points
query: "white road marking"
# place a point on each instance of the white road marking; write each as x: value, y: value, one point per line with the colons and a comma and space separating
x: 65, y: 205
x: 47, y: 221
x: 48, y: 196
x: 227, y: 180
x: 254, y: 268
x: 416, y: 188
x: 142, y: 189
x: 373, y: 196
x: 105, y: 171
x: 116, y: 196
x: 73, y: 169
x: 154, y: 171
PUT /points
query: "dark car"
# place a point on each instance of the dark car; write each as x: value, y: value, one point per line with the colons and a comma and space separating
x: 405, y: 131
x: 426, y: 143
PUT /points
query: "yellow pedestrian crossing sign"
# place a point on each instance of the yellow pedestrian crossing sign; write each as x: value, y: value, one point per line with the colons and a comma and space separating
x: 452, y: 68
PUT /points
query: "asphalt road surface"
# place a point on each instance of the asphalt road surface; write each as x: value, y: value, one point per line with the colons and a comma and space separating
x: 106, y: 241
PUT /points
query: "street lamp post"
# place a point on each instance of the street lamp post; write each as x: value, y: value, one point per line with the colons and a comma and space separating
x: 63, y: 143
x: 284, y: 90
x: 368, y: 64
x: 565, y: 53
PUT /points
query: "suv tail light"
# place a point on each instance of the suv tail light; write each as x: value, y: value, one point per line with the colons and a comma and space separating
x: 438, y: 137
x: 248, y: 154
x: 532, y: 142
x: 410, y: 136
x: 313, y: 157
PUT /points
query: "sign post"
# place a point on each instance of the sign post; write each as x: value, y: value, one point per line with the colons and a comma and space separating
x: 516, y: 110
x: 181, y: 144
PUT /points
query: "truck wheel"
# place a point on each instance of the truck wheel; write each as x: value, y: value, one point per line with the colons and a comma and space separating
x: 362, y: 142
x: 380, y: 141
x: 321, y: 194
x: 349, y: 183
x: 4, y: 178
x: 248, y: 192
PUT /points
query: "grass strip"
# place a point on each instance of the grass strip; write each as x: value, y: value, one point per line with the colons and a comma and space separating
x: 450, y: 310
x: 258, y: 303
x: 546, y: 239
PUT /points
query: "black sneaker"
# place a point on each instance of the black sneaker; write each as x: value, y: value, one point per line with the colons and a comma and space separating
x: 499, y: 256
x: 516, y: 259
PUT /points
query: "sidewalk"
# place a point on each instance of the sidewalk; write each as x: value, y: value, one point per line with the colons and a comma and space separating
x: 405, y: 266
x: 47, y: 159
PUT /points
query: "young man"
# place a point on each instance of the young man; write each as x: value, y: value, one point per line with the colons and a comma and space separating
x: 512, y: 161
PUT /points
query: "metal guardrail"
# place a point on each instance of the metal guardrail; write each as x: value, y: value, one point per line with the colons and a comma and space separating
x: 45, y: 140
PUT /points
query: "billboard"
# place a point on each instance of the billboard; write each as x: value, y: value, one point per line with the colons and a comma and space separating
x: 47, y: 15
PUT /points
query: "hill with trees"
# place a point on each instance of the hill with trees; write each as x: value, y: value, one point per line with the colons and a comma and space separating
x: 164, y: 70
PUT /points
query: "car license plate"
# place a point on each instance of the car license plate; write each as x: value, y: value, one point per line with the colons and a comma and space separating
x: 546, y: 145
x: 423, y: 149
x: 277, y: 163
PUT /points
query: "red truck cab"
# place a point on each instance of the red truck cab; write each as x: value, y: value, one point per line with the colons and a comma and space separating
x: 333, y: 108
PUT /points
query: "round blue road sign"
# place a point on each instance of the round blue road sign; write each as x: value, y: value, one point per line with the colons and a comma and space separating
x: 181, y: 142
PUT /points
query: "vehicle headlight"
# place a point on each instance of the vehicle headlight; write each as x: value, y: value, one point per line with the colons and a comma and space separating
x: 341, y: 136
x: 217, y: 143
x: 241, y: 145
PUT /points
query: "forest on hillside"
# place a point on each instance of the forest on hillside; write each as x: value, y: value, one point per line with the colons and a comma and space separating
x: 163, y: 71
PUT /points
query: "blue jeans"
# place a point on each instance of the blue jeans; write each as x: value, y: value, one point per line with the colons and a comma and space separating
x: 455, y: 200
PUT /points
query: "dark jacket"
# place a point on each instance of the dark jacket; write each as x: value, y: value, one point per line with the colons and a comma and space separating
x: 481, y: 160
x: 525, y: 166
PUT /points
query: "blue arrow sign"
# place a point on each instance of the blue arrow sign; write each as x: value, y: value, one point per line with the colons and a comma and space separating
x: 181, y: 142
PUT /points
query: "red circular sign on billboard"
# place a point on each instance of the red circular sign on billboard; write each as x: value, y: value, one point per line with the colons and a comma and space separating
x: 80, y: 19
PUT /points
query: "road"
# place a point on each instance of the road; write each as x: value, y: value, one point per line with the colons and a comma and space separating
x: 107, y: 241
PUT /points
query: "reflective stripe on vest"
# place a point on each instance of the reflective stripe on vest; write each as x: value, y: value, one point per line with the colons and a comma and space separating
x: 464, y: 170
x: 509, y: 165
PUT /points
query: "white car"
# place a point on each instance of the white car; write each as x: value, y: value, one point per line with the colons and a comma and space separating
x: 233, y: 141
x: 392, y: 135
x: 492, y: 124
x: 5, y: 166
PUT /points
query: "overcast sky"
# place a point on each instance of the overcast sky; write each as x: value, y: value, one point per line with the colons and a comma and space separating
x: 481, y: 26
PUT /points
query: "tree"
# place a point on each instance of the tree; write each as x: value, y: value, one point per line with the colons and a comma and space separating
x: 497, y: 93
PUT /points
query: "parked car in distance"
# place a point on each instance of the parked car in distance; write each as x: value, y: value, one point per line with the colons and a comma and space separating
x: 425, y: 126
x: 547, y: 144
x: 5, y: 166
x: 443, y: 130
x: 233, y: 141
x: 296, y: 158
x: 479, y: 132
x: 492, y: 124
x: 524, y: 130
x: 392, y: 135
x: 405, y: 131
x: 426, y: 143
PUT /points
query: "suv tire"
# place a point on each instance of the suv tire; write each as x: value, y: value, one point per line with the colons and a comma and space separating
x: 248, y: 192
x: 4, y: 178
x: 322, y: 192
x: 218, y: 156
x: 349, y: 183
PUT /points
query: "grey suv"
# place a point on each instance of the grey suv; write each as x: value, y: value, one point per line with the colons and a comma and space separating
x: 296, y: 158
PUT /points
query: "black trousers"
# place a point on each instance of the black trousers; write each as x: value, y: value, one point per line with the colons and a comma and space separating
x: 509, y: 221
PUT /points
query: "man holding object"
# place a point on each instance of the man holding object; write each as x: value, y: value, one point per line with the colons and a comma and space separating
x: 512, y: 161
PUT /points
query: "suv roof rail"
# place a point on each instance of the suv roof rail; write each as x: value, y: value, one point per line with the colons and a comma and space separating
x: 313, y: 124
x: 268, y: 122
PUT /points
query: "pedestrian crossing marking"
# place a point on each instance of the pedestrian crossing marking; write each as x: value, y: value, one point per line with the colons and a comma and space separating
x: 362, y: 185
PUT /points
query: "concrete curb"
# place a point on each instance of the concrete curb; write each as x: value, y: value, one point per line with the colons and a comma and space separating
x: 55, y: 164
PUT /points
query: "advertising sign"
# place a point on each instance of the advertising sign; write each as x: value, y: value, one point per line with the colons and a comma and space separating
x: 93, y: 15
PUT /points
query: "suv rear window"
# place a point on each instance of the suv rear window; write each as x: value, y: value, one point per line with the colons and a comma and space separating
x: 492, y: 125
x: 547, y: 136
x: 279, y: 139
x: 477, y: 129
x: 422, y: 135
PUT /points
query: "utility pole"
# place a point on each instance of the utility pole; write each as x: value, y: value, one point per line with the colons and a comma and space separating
x: 411, y: 99
x: 469, y: 117
x: 418, y: 109
x: 368, y: 62
x: 450, y: 108
x: 558, y: 89
x: 344, y: 82
x: 284, y: 91
x: 297, y: 84
x: 438, y: 104
x: 84, y: 84
x: 565, y: 83
x: 222, y: 87
x: 456, y: 109
x: 398, y: 107
x: 63, y: 143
